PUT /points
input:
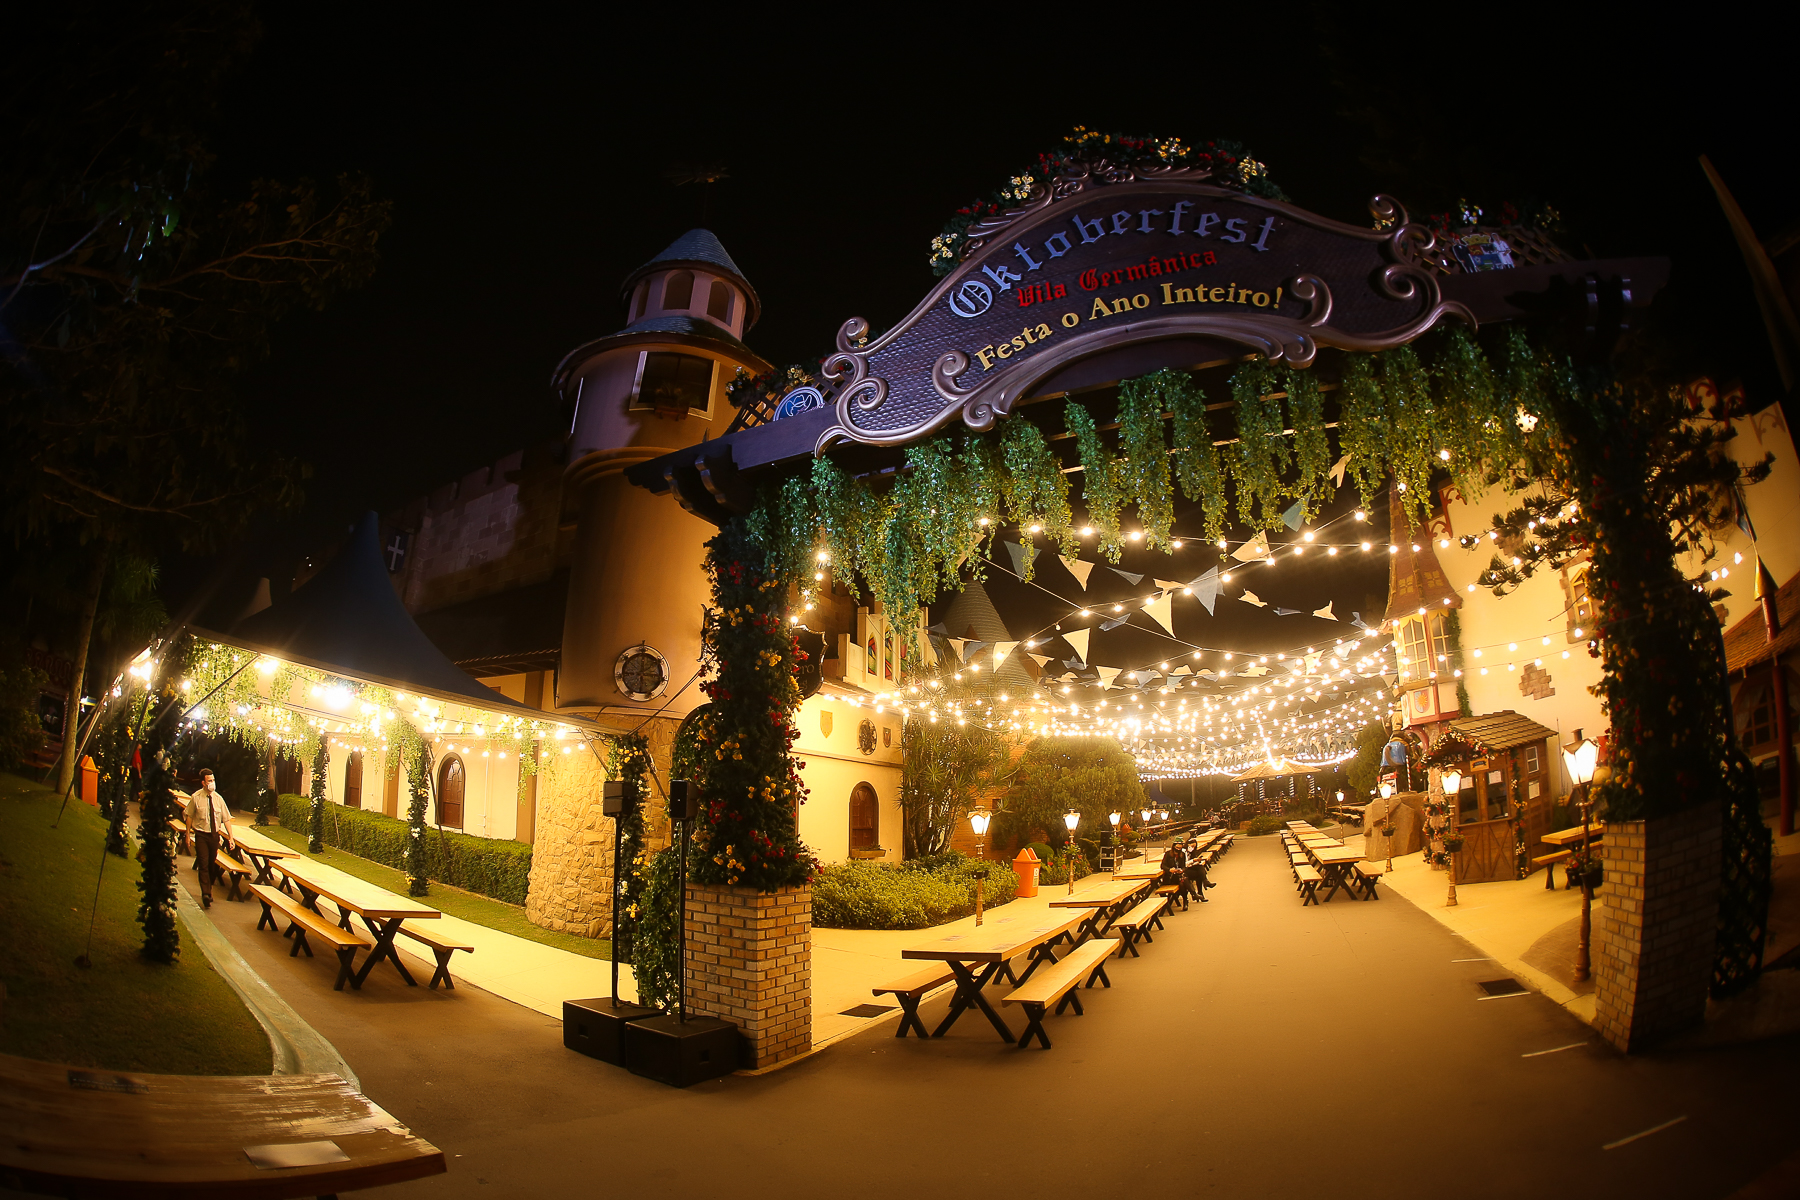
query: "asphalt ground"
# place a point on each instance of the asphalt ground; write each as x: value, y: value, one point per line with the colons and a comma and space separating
x: 1257, y: 1048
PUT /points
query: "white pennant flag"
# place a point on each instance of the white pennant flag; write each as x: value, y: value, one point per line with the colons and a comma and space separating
x: 1107, y: 675
x: 1326, y: 611
x: 1337, y: 470
x: 1161, y: 609
x: 1002, y: 652
x: 1130, y: 577
x: 1079, y: 640
x: 1019, y: 555
x: 1256, y: 548
x: 1206, y: 588
x: 1080, y: 570
x: 957, y: 645
x: 1250, y: 597
x: 1039, y: 659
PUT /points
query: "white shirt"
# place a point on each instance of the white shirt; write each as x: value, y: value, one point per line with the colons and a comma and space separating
x: 207, y: 813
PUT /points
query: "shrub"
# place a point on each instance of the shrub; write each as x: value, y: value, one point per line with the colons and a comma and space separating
x: 1265, y: 824
x: 1053, y: 872
x: 913, y: 895
x: 492, y: 867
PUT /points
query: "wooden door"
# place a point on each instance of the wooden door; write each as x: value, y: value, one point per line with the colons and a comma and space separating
x: 1488, y: 854
x: 451, y: 781
x: 353, y: 780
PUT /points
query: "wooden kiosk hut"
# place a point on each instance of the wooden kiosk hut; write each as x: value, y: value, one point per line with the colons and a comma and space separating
x: 1508, y: 789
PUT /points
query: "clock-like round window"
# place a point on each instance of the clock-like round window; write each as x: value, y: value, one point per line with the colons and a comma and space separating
x: 641, y: 672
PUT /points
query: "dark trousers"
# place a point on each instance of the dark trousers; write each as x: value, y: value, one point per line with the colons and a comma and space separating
x: 206, y: 861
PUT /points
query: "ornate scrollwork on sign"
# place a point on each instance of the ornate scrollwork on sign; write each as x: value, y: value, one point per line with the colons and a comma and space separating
x: 1154, y: 255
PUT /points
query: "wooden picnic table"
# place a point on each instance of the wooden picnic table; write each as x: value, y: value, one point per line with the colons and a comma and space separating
x: 992, y: 947
x: 1567, y: 837
x: 382, y: 911
x: 1334, y: 863
x: 263, y: 854
x: 1106, y: 902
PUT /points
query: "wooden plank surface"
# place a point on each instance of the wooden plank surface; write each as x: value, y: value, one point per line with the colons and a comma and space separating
x: 1100, y: 897
x: 996, y: 941
x: 362, y: 898
x: 75, y: 1131
x: 1569, y: 837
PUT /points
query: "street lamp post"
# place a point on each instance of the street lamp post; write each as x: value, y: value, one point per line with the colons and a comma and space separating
x: 1387, y: 821
x: 1452, y: 781
x: 978, y: 821
x: 1580, y: 757
x: 1070, y: 820
x: 1113, y: 820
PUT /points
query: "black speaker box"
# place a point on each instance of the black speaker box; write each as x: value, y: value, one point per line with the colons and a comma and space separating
x: 679, y: 1053
x: 595, y: 1028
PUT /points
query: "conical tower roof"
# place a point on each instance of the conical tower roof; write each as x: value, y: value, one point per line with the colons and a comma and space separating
x: 699, y: 248
x: 1415, y: 580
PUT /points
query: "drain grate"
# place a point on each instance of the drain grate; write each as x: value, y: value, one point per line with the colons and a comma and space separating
x: 1500, y: 987
x: 867, y: 1010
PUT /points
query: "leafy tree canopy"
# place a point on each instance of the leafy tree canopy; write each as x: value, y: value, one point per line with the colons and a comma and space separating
x: 1094, y: 776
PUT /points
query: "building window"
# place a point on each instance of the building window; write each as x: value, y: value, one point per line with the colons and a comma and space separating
x: 451, y: 783
x: 641, y: 301
x: 678, y: 291
x: 871, y: 660
x: 1580, y: 612
x: 718, y: 304
x: 1414, y: 657
x: 353, y: 780
x: 865, y: 818
x: 887, y: 656
x: 674, y: 384
x: 1531, y: 759
x: 1759, y: 729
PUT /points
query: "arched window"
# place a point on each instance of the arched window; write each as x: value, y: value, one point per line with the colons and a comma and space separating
x: 718, y: 304
x: 641, y: 301
x: 865, y: 818
x: 451, y: 778
x: 678, y: 290
x: 887, y: 656
x: 353, y: 780
x: 871, y: 660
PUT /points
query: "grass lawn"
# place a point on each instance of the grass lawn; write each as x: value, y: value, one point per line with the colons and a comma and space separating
x: 477, y: 910
x: 124, y: 1013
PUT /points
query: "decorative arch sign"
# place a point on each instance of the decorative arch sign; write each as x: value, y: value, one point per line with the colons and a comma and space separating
x: 1092, y: 264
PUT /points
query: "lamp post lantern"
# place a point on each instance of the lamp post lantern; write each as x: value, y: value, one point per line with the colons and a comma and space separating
x: 1580, y: 757
x: 1071, y: 819
x: 1452, y: 781
x: 978, y: 821
x: 1387, y: 821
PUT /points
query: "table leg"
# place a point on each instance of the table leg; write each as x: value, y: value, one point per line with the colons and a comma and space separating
x: 968, y: 995
x: 384, y: 948
x: 1334, y: 875
x: 1039, y: 955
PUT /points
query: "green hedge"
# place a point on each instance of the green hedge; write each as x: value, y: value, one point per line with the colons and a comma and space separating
x: 1265, y: 824
x: 490, y: 866
x: 913, y: 895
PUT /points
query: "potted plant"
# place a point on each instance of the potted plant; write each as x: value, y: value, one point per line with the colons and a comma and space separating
x: 1585, y: 869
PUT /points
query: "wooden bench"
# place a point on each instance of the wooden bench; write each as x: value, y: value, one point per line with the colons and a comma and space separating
x: 441, y: 948
x: 169, y: 1136
x: 1367, y: 876
x: 1548, y: 862
x: 1170, y: 892
x: 1137, y: 924
x: 910, y: 990
x: 304, y: 925
x: 235, y: 873
x: 1056, y: 985
x: 1309, y: 880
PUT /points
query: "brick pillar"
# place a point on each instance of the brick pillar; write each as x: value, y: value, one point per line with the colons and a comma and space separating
x: 749, y: 960
x: 1653, y: 942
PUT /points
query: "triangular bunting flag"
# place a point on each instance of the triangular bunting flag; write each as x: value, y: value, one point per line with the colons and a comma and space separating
x: 1257, y: 547
x: 1080, y: 570
x: 1168, y: 585
x: 1039, y: 659
x: 937, y: 629
x: 1295, y: 516
x: 1130, y: 578
x: 1326, y: 612
x: 1107, y: 675
x: 1114, y: 623
x: 1020, y: 555
x: 1079, y: 640
x: 957, y: 644
x: 1002, y: 652
x: 1250, y: 597
x: 1161, y: 610
x: 1285, y: 612
x: 1206, y: 588
x: 1337, y: 470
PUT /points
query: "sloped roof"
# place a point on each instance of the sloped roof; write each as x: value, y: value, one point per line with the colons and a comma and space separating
x: 1415, y: 577
x: 671, y: 328
x: 1747, y: 643
x: 1276, y: 770
x: 972, y: 613
x: 348, y: 621
x: 1501, y: 730
x: 700, y: 248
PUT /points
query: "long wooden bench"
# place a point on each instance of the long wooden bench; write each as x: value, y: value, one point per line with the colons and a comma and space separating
x: 80, y: 1132
x: 1056, y: 985
x: 235, y: 874
x: 304, y: 926
x: 1309, y: 880
x: 1367, y: 875
x: 441, y: 948
x: 910, y: 990
x: 1137, y: 924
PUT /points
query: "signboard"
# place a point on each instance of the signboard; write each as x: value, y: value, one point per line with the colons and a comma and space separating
x: 1087, y: 267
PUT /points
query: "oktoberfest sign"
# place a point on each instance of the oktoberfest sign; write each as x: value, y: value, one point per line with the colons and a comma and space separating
x: 1082, y: 269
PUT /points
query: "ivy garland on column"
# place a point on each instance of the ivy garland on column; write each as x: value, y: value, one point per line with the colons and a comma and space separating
x: 315, y: 825
x: 628, y: 761
x: 156, y: 883
x: 749, y: 785
x: 418, y: 780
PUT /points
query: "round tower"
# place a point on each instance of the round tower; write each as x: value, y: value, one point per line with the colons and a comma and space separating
x: 631, y: 633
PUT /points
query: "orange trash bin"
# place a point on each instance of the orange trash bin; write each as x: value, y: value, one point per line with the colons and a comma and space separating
x: 90, y: 781
x: 1026, y: 867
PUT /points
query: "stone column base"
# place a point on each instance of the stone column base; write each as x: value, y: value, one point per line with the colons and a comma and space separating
x: 749, y: 960
x: 1653, y: 945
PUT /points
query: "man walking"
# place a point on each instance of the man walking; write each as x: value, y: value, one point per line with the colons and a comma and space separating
x: 208, y: 820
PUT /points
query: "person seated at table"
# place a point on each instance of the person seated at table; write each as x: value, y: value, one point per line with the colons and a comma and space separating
x: 1194, y: 876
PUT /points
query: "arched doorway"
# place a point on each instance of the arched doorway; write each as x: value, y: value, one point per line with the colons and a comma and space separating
x: 452, y: 782
x: 865, y: 818
x: 353, y: 775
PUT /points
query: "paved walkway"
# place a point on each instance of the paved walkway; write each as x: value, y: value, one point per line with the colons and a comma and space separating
x: 1257, y: 1049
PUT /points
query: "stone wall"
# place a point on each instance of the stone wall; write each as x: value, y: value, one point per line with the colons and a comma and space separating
x: 1653, y: 948
x: 571, y: 860
x: 749, y: 960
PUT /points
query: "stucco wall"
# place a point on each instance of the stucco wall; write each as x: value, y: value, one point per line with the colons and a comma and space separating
x: 832, y: 764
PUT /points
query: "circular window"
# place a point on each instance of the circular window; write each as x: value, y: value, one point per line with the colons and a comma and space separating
x: 642, y: 673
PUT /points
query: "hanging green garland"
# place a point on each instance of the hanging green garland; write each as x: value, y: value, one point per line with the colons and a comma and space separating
x: 1197, y: 463
x: 1144, y: 457
x: 156, y: 853
x: 628, y: 761
x: 1034, y: 487
x: 418, y: 779
x: 1101, y: 484
x: 1261, y: 453
x: 315, y: 825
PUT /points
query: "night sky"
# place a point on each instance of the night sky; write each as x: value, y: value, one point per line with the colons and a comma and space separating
x: 527, y: 157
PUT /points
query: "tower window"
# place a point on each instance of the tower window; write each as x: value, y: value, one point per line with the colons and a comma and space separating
x: 674, y: 384
x: 641, y: 301
x: 678, y: 290
x: 718, y: 304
